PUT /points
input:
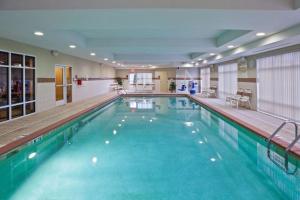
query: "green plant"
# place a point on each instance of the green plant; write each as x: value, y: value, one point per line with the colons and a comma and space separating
x: 119, y: 81
x: 172, y: 86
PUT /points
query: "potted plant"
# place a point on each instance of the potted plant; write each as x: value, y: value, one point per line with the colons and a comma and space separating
x: 172, y: 87
x: 119, y: 81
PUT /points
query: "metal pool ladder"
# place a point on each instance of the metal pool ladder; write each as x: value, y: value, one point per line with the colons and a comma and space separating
x: 287, y: 149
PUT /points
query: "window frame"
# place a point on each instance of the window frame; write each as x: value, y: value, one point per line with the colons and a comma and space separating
x: 23, y: 67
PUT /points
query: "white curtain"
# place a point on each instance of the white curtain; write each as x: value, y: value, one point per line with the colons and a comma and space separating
x: 279, y: 85
x: 227, y: 81
x: 144, y: 78
x: 205, y: 79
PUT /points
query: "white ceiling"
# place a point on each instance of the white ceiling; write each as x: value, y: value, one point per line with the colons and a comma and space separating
x: 133, y: 34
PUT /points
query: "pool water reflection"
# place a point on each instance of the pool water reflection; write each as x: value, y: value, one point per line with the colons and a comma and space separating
x: 146, y: 148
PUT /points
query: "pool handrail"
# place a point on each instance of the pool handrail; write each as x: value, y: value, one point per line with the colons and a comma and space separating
x: 288, y: 148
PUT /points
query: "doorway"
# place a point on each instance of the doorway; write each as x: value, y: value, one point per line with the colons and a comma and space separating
x: 63, y: 84
x: 164, y: 87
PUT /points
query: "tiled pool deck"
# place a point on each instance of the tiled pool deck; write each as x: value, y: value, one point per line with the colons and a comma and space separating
x: 258, y: 122
x: 22, y: 130
x: 17, y: 132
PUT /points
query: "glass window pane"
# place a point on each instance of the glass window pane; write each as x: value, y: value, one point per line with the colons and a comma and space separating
x: 3, y: 114
x: 69, y: 75
x: 29, y: 84
x: 59, y: 93
x: 69, y: 93
x: 29, y: 61
x: 58, y: 75
x: 16, y: 60
x: 16, y: 85
x: 3, y: 86
x: 30, y: 108
x: 4, y: 58
x: 17, y: 111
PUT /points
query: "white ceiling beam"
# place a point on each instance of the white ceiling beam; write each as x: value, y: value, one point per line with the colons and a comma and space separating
x: 132, y: 4
x: 229, y: 36
x: 149, y: 42
x: 281, y: 39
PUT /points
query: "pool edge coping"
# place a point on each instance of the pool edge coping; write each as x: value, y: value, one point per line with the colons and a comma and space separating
x: 40, y: 132
x: 277, y: 141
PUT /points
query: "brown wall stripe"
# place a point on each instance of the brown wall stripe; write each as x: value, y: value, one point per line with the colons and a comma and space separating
x: 97, y: 79
x: 214, y: 79
x: 45, y: 80
x: 52, y: 80
x: 126, y: 78
x: 247, y: 80
x: 175, y: 78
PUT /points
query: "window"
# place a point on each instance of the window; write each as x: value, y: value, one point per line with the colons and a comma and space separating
x: 140, y: 78
x: 205, y: 79
x: 278, y: 85
x: 4, y: 56
x: 227, y: 84
x: 17, y: 85
x: 131, y: 78
x: 3, y: 86
x: 29, y: 84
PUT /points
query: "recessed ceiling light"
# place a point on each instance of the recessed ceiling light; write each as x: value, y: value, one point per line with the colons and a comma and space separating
x: 113, y: 62
x: 119, y: 64
x: 212, y: 54
x: 106, y: 59
x: 197, y: 64
x: 230, y: 46
x: 204, y: 61
x: 92, y: 54
x: 200, y: 59
x: 39, y: 33
x: 187, y: 65
x: 219, y: 57
x: 72, y: 46
x: 260, y: 34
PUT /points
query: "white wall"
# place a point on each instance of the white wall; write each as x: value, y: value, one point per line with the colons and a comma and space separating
x: 102, y: 75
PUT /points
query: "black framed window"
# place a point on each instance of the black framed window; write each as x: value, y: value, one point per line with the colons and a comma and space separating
x: 3, y: 86
x: 16, y: 85
x: 30, y: 108
x: 4, y: 114
x: 29, y: 84
x: 16, y: 60
x: 17, y: 111
x: 4, y: 58
x: 30, y: 61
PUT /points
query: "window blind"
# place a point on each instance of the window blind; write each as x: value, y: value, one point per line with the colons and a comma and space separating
x: 227, y: 83
x: 205, y: 79
x: 279, y: 85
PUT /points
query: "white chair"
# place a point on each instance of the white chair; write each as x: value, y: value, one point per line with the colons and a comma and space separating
x: 235, y: 100
x: 245, y: 100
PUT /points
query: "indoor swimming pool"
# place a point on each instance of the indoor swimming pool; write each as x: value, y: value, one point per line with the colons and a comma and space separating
x: 142, y: 148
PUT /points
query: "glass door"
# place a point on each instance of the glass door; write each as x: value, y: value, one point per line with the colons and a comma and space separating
x: 63, y: 84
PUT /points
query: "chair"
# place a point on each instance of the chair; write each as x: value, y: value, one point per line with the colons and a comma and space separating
x: 235, y: 99
x: 183, y: 88
x: 245, y: 100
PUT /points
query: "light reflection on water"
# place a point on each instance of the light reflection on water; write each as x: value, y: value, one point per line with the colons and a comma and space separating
x: 183, y: 143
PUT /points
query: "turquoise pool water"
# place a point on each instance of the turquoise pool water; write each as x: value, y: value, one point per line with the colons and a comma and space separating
x: 146, y: 148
